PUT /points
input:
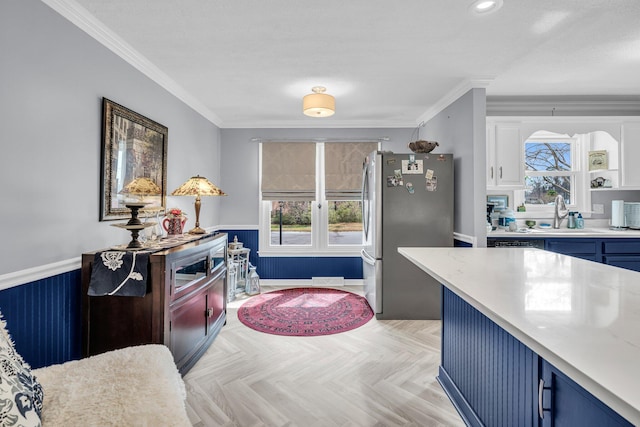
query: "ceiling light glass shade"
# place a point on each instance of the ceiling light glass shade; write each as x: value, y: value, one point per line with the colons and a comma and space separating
x: 318, y: 104
x: 142, y: 186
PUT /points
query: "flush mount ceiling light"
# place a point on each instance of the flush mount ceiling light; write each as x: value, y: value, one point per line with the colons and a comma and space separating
x: 318, y: 103
x: 485, y: 6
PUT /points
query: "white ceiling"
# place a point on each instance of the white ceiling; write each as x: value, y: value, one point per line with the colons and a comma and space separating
x: 248, y: 63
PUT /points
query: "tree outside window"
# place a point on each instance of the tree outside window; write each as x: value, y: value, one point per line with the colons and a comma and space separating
x: 549, y: 171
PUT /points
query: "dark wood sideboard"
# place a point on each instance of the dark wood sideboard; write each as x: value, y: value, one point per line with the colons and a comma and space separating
x: 184, y: 307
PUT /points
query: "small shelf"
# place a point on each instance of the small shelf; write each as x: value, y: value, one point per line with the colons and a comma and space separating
x: 603, y: 170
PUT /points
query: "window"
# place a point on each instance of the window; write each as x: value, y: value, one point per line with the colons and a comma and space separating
x: 311, y: 197
x: 552, y: 166
x: 548, y: 171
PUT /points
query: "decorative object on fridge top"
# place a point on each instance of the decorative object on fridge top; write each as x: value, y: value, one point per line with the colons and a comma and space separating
x: 420, y: 145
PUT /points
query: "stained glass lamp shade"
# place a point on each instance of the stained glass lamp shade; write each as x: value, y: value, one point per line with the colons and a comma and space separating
x: 198, y: 186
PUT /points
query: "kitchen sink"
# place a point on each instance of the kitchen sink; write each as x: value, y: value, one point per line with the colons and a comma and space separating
x: 563, y: 231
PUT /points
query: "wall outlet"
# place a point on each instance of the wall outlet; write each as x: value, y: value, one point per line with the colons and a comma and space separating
x: 597, y: 208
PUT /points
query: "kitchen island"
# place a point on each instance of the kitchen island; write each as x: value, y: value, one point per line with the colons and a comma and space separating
x: 513, y: 316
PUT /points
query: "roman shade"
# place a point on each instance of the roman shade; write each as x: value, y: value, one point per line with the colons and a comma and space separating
x: 288, y: 171
x: 343, y: 168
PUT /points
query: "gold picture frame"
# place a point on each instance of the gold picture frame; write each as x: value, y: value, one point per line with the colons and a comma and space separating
x: 598, y: 160
x: 133, y: 146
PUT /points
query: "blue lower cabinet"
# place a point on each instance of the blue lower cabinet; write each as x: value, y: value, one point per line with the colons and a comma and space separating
x: 630, y: 262
x: 581, y: 248
x: 566, y: 404
x: 493, y: 379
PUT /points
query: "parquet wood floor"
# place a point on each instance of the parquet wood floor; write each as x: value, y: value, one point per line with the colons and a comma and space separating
x: 381, y: 374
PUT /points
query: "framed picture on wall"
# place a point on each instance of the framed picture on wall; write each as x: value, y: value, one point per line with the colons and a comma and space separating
x: 598, y: 160
x: 134, y: 161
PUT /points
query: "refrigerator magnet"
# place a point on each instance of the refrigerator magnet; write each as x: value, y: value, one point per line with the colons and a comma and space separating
x: 410, y: 188
x: 432, y: 183
x: 429, y: 174
x: 409, y: 167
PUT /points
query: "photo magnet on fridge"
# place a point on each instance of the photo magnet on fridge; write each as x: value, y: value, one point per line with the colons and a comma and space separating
x: 412, y: 167
x: 432, y: 183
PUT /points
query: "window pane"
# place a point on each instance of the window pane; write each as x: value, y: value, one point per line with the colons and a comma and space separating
x: 291, y: 223
x: 345, y: 222
x: 542, y: 190
x: 547, y: 156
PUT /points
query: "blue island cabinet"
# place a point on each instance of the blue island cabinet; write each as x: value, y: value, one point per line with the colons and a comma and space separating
x: 495, y: 380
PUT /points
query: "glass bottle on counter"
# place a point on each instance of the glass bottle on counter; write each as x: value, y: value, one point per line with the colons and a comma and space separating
x: 579, y: 221
x: 571, y: 220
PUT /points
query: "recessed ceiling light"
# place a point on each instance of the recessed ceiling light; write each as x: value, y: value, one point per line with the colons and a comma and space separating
x: 485, y: 6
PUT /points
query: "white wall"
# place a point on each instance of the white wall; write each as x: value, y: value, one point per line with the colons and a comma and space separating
x: 461, y: 129
x: 52, y: 80
x: 240, y: 166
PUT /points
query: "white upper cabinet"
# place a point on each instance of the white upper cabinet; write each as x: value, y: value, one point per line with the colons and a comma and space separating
x: 630, y: 155
x: 505, y: 161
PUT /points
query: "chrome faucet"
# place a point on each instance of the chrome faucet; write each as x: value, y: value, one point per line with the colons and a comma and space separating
x: 560, y: 211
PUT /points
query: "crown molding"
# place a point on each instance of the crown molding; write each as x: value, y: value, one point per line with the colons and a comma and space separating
x: 320, y: 124
x: 81, y: 18
x: 551, y: 106
x: 452, y: 96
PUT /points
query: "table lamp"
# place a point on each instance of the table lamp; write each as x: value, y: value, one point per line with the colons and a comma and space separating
x: 198, y: 186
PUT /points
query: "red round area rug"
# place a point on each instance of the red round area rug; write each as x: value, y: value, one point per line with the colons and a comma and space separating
x: 305, y: 312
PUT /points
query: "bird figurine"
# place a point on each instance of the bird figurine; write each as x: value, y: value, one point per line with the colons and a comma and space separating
x: 422, y: 146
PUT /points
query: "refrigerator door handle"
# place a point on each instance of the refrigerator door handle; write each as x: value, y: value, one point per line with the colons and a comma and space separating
x: 367, y: 258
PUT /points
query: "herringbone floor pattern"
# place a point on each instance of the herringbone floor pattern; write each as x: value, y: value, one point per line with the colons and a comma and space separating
x: 381, y: 374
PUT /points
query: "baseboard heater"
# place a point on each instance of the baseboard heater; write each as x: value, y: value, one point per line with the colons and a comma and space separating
x: 327, y: 281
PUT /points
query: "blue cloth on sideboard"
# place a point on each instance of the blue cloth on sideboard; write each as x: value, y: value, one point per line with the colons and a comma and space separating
x: 119, y: 273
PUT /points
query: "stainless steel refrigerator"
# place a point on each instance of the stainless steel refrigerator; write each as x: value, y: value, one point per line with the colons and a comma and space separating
x: 407, y: 201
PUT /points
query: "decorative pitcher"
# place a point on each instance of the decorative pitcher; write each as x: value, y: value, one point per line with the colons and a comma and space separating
x: 173, y: 226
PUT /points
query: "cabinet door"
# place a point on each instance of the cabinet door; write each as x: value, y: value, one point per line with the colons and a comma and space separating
x: 630, y: 262
x: 580, y: 248
x: 565, y: 403
x: 188, y: 325
x: 509, y: 156
x: 216, y: 302
x: 491, y: 156
x: 629, y: 155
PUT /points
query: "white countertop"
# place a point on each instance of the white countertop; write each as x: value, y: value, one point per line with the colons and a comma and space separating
x: 581, y: 316
x: 537, y: 232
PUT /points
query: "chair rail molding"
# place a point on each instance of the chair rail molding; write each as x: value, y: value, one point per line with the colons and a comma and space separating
x: 29, y: 275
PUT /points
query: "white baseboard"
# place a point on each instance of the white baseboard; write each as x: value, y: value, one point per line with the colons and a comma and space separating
x: 305, y: 283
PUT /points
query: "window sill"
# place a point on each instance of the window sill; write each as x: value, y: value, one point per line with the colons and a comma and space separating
x: 290, y: 252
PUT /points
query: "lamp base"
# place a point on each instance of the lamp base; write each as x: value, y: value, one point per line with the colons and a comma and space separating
x: 197, y: 230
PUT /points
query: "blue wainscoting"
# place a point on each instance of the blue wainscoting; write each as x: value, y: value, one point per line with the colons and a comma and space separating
x: 485, y: 368
x: 296, y: 267
x: 44, y: 319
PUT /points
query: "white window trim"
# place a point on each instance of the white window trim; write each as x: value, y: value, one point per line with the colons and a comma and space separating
x: 581, y: 193
x: 319, y: 221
